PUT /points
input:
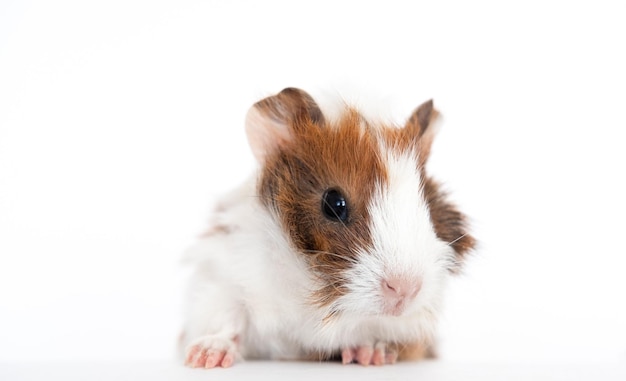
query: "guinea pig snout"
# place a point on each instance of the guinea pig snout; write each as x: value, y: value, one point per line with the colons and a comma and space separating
x: 398, y: 292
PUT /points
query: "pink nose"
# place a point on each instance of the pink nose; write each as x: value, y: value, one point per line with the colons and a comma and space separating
x: 399, y: 289
x: 398, y: 292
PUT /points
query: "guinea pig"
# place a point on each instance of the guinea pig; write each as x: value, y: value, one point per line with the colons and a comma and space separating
x: 338, y: 247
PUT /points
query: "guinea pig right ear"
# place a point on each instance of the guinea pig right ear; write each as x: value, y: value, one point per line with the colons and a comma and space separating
x: 273, y: 121
x: 422, y: 125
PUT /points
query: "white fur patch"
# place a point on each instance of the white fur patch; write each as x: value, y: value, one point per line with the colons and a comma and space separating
x: 404, y: 243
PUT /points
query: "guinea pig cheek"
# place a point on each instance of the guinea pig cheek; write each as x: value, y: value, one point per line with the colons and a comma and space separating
x: 364, y: 294
x: 377, y: 285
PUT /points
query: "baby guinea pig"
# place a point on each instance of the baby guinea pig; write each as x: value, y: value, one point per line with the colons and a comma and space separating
x: 338, y: 247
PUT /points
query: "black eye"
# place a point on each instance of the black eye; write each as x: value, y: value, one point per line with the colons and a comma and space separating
x: 334, y: 205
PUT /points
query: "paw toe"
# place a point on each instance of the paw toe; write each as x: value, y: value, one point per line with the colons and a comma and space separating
x: 213, y: 359
x: 365, y: 355
x: 228, y: 360
x: 348, y: 355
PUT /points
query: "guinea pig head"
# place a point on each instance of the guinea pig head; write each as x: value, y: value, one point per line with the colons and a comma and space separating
x: 355, y: 201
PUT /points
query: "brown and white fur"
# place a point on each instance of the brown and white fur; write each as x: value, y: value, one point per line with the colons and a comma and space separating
x: 276, y: 278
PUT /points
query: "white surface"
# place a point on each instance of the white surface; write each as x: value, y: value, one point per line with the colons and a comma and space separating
x: 432, y: 371
x: 120, y: 120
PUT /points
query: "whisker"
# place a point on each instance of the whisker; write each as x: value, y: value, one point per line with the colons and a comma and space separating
x: 456, y: 240
x: 331, y: 254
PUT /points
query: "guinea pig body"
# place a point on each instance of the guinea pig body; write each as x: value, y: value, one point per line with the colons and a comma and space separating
x: 339, y: 246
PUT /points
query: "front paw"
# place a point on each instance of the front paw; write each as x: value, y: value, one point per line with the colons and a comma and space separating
x: 378, y: 354
x: 211, y: 351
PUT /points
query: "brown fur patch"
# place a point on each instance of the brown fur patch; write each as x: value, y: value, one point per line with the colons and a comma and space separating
x: 449, y: 223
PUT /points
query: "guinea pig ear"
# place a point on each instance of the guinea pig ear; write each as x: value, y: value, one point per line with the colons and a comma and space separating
x: 273, y: 121
x: 422, y: 125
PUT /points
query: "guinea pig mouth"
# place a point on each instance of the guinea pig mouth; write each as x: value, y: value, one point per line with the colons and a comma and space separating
x: 394, y: 309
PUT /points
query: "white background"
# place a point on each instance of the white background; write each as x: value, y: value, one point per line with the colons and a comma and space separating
x: 120, y: 121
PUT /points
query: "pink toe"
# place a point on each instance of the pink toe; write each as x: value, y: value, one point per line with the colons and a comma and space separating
x: 200, y: 359
x: 379, y: 357
x: 213, y: 358
x: 228, y: 360
x: 193, y: 352
x: 347, y: 355
x: 391, y: 358
x: 364, y: 355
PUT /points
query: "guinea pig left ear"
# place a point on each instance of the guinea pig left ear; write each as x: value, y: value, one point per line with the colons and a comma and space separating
x: 422, y: 125
x: 273, y: 121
